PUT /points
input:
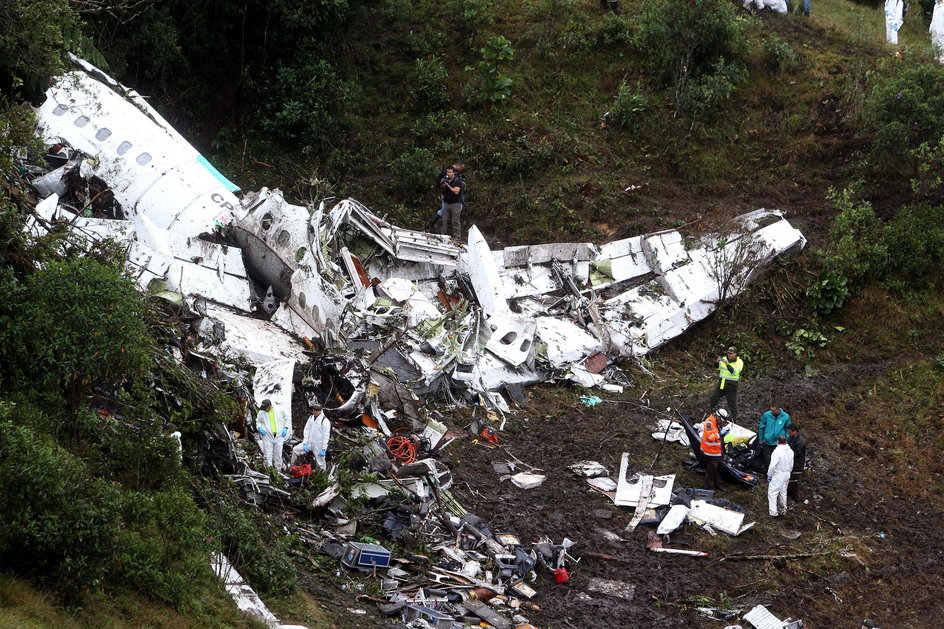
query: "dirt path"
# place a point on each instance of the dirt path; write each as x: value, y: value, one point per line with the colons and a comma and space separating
x: 884, y: 552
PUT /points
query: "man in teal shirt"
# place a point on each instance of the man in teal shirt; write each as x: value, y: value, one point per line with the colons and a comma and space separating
x: 773, y: 425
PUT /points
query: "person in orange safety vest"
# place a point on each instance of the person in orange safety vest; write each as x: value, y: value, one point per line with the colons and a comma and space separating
x: 713, y: 448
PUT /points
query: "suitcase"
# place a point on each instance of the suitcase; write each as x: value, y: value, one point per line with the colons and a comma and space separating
x: 365, y: 557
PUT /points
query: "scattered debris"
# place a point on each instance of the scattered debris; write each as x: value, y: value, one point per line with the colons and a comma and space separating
x: 338, y: 306
x: 761, y: 618
x: 588, y: 469
x: 616, y: 589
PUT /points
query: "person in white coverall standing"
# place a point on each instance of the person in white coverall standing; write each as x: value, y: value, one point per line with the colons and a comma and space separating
x: 778, y: 475
x: 937, y: 29
x: 315, y: 439
x: 273, y: 426
x: 894, y: 18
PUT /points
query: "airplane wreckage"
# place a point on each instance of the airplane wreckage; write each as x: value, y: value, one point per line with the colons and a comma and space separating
x: 339, y: 306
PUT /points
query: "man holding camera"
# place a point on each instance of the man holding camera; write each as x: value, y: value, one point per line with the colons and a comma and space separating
x: 459, y: 166
x: 729, y: 375
x: 453, y: 190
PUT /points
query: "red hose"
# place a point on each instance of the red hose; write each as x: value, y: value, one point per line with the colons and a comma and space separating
x: 402, y: 448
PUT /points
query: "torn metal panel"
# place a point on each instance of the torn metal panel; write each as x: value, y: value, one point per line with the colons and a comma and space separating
x: 401, y: 244
x: 256, y: 340
x: 246, y: 598
x: 672, y: 520
x: 724, y: 520
x: 565, y: 341
x: 273, y: 381
x: 567, y: 252
x: 627, y: 489
x: 618, y: 261
x: 279, y: 240
x: 83, y: 231
x: 197, y: 267
x: 316, y: 302
x: 479, y: 264
x: 761, y: 618
x: 150, y: 171
x: 512, y: 338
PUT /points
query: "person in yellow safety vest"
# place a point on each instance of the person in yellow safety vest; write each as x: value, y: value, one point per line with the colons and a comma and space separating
x: 273, y: 427
x: 713, y: 449
x: 729, y: 375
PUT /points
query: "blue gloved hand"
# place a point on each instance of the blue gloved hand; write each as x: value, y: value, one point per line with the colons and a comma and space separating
x: 305, y: 447
x: 322, y: 452
x: 284, y: 432
x: 262, y: 431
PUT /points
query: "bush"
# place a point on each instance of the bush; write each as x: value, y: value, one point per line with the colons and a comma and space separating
x: 828, y: 292
x: 469, y: 16
x: 415, y: 171
x: 303, y: 104
x: 615, y: 31
x: 629, y: 107
x: 32, y: 45
x: 904, y: 109
x: 430, y: 81
x: 705, y: 95
x: 71, y: 324
x: 557, y: 26
x: 494, y: 83
x: 778, y: 54
x: 687, y: 43
x: 262, y: 560
x: 857, y: 249
x: 57, y: 522
x: 914, y: 242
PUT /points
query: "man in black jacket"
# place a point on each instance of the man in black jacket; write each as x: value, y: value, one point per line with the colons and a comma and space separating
x: 459, y: 166
x: 453, y: 190
x: 798, y: 445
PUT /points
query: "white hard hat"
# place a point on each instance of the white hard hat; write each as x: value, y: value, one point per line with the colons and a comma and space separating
x: 721, y: 413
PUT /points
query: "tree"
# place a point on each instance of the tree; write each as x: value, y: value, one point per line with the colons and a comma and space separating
x: 71, y: 324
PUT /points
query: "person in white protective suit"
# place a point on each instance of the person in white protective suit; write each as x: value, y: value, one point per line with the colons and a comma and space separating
x: 894, y: 18
x: 937, y: 29
x: 778, y: 477
x: 273, y: 427
x: 315, y: 439
x: 780, y: 6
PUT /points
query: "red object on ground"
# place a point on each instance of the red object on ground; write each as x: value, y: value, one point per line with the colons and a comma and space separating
x: 402, y: 448
x: 561, y: 575
x: 301, y: 470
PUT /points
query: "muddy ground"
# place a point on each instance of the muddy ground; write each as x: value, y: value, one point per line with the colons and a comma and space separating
x: 884, y: 551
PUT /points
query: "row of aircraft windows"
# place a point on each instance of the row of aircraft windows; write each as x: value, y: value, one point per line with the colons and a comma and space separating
x: 103, y: 134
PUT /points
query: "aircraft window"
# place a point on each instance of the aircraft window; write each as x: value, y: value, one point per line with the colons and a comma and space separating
x: 143, y: 159
x: 81, y: 121
x: 103, y: 134
x: 59, y: 110
x: 124, y: 147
